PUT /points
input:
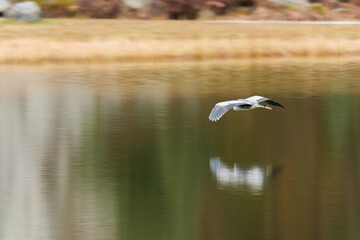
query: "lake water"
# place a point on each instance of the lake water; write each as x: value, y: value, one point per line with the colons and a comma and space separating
x: 126, y: 151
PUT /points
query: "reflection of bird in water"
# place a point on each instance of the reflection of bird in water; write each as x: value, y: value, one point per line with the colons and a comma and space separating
x: 251, y: 178
x: 241, y: 104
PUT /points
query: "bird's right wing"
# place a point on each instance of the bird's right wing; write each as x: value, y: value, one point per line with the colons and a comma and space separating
x: 260, y: 99
x: 221, y: 108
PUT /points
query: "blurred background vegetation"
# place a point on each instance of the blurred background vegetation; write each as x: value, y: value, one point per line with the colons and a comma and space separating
x: 203, y: 9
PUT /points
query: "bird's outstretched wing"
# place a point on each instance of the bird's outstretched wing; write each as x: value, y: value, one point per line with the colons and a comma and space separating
x: 222, y: 107
x: 264, y: 99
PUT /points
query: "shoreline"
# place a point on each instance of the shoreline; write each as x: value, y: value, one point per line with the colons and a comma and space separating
x: 345, y: 22
x: 33, y: 51
x: 97, y: 41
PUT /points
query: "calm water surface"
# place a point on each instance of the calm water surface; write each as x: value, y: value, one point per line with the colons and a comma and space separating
x: 127, y: 152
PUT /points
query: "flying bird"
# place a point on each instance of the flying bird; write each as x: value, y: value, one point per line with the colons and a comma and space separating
x: 239, y: 105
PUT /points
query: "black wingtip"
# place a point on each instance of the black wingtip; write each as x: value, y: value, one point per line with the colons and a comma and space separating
x: 275, y: 103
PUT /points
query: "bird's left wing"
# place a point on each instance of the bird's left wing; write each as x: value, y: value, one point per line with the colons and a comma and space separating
x: 260, y: 99
x: 221, y: 108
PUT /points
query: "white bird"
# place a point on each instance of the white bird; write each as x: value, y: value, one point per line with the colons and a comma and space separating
x: 241, y: 104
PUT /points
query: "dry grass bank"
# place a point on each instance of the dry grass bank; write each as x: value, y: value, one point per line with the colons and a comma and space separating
x: 119, y: 40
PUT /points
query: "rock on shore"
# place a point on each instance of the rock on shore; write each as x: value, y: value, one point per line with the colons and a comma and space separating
x: 24, y: 11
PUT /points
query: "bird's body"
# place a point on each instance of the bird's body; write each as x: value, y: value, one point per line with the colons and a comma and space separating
x: 240, y: 105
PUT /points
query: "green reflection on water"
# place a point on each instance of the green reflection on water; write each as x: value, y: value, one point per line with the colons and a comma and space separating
x: 132, y: 159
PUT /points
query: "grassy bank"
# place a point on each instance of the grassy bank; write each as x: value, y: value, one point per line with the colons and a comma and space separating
x: 119, y: 40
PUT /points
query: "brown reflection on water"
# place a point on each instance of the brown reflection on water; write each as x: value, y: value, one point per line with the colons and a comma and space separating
x: 122, y: 151
x: 295, y: 78
x: 41, y: 126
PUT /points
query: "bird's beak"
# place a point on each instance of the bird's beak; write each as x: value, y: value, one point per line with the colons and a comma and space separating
x: 268, y: 107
